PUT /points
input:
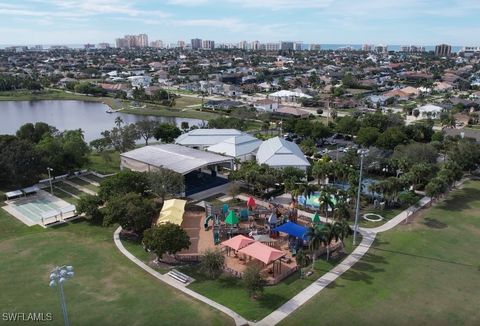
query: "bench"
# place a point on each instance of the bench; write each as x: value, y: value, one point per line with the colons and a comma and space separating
x: 179, y: 276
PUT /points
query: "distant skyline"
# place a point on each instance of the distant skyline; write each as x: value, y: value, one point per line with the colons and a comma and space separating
x: 422, y: 22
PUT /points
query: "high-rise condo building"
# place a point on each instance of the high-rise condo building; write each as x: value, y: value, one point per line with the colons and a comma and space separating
x: 208, y: 44
x: 443, y: 50
x: 196, y: 43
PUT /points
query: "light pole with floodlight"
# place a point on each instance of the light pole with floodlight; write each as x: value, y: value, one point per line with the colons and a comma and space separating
x: 57, y: 277
x: 50, y: 179
x: 362, y: 153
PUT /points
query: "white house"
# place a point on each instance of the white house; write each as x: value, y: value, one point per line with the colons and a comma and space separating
x: 288, y: 95
x: 266, y: 105
x: 279, y: 153
x: 140, y: 81
x: 430, y: 110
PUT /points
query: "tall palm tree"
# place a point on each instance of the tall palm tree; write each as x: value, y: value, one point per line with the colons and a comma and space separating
x: 325, y: 201
x: 321, y: 169
x: 118, y: 122
x: 342, y: 230
x: 315, y: 239
x: 341, y: 212
x: 327, y: 232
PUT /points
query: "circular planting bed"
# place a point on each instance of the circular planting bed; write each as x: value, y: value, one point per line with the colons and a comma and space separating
x: 376, y: 217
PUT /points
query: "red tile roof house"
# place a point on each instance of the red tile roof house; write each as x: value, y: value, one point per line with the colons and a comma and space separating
x: 113, y: 88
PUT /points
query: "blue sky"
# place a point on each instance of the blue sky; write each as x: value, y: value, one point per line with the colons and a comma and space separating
x: 424, y: 22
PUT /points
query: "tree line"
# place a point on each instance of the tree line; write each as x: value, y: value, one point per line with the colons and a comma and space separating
x: 24, y: 158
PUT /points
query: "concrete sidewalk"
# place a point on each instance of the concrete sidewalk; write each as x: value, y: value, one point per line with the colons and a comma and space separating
x: 239, y: 320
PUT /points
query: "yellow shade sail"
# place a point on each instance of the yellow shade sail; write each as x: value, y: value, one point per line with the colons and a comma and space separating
x: 172, y: 211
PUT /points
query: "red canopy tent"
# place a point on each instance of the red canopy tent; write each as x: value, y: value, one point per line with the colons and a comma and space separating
x: 251, y: 203
x: 238, y: 242
x: 264, y: 253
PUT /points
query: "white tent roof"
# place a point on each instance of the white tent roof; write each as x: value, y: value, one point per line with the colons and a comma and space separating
x: 236, y: 146
x: 277, y: 152
x: 206, y: 137
x: 284, y: 93
x: 177, y: 158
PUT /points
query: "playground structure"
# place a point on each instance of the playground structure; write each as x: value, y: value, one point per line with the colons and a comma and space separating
x: 250, y: 220
x: 264, y: 223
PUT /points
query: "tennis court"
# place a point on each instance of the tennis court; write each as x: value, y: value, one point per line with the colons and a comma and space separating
x: 42, y: 209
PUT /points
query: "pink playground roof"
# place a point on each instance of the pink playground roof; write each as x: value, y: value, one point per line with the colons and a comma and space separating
x: 238, y: 242
x: 262, y: 252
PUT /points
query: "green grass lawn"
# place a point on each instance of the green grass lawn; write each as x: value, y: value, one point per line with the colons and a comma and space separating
x: 63, y: 195
x: 69, y: 188
x: 387, y: 215
x: 230, y: 291
x: 136, y: 249
x: 55, y: 94
x: 94, y: 178
x: 107, y: 288
x: 423, y: 273
x: 107, y: 162
x: 84, y: 184
x: 177, y: 111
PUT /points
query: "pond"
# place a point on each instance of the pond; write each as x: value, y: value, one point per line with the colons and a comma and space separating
x: 64, y: 114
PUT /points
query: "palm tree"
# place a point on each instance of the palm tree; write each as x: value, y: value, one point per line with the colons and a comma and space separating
x: 302, y: 260
x: 342, y: 230
x: 118, y: 122
x: 320, y: 170
x: 341, y: 211
x: 315, y: 238
x: 327, y: 232
x: 325, y: 201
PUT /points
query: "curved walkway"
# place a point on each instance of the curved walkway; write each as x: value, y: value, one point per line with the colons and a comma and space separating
x: 239, y: 320
x: 309, y: 292
x: 368, y: 237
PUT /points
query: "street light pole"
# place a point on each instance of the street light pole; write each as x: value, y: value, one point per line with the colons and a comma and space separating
x: 57, y: 277
x: 357, y: 208
x: 50, y: 179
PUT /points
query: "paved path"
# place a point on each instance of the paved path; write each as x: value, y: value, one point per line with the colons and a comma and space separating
x: 239, y: 320
x: 368, y: 237
x: 309, y: 292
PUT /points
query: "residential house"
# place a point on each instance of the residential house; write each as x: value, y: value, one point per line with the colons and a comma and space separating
x: 266, y: 105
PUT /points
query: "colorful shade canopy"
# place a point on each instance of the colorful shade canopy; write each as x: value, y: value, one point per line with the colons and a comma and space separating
x: 292, y: 229
x: 316, y: 218
x: 251, y: 202
x: 238, y: 242
x: 231, y: 218
x: 262, y: 252
x: 172, y: 211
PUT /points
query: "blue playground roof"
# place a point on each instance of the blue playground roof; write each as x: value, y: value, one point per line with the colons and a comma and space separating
x: 292, y: 229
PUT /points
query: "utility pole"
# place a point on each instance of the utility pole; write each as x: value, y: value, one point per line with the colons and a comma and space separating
x: 357, y: 208
x: 50, y: 179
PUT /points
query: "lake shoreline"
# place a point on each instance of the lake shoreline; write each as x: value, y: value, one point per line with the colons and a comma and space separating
x: 68, y: 114
x: 113, y: 103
